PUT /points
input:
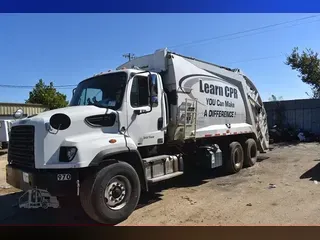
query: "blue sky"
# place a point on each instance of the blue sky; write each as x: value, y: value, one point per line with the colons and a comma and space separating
x: 67, y: 48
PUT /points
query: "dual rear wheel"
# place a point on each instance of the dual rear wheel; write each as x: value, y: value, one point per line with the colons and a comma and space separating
x: 238, y: 156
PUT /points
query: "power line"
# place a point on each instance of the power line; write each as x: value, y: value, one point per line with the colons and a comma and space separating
x: 72, y: 86
x: 256, y: 59
x: 27, y: 87
x: 241, y: 32
x: 261, y: 58
x: 253, y: 34
x: 130, y: 56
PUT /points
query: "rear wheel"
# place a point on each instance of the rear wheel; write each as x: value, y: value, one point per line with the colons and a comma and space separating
x: 234, y: 158
x: 250, y: 152
x: 112, y: 194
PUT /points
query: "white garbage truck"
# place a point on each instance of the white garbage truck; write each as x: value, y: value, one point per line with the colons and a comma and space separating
x: 137, y: 125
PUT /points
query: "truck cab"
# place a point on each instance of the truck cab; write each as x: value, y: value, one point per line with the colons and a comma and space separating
x: 110, y: 115
x: 133, y: 100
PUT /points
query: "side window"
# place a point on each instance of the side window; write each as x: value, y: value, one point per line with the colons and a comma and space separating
x: 139, y: 92
x: 139, y: 96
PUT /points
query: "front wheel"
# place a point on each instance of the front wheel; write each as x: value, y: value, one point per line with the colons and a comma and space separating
x: 45, y: 204
x: 112, y: 194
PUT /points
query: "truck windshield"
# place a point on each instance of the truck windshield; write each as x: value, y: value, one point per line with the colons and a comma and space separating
x: 102, y: 91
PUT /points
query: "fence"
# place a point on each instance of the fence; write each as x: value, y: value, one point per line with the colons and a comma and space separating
x: 7, y: 109
x: 303, y: 114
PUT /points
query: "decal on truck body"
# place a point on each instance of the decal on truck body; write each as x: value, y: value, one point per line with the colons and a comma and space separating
x: 218, y: 99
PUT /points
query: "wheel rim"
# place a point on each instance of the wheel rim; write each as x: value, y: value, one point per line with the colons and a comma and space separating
x: 116, y: 192
x: 237, y: 158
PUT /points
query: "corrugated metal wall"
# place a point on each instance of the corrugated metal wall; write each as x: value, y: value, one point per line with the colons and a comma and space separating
x: 7, y: 109
x: 304, y: 114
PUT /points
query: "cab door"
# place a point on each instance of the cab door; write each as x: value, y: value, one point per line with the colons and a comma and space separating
x: 146, y: 117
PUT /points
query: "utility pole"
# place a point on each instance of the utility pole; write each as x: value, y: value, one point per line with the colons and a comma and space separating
x: 130, y: 56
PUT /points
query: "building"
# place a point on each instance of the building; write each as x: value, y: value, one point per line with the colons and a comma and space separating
x: 7, y: 109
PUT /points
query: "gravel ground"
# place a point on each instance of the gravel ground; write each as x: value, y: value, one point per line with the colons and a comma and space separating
x: 210, y: 198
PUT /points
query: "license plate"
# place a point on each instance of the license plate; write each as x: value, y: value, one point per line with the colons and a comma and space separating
x: 25, y: 177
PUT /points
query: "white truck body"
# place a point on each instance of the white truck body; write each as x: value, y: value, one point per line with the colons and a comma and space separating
x: 143, y: 121
x: 223, y: 96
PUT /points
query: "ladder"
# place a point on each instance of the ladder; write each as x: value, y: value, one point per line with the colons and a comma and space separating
x: 260, y: 122
x: 189, y: 122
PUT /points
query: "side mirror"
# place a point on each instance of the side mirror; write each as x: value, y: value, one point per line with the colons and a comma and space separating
x: 18, y: 114
x: 73, y: 91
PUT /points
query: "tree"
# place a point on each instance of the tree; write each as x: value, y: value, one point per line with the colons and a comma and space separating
x: 47, y: 95
x: 307, y: 64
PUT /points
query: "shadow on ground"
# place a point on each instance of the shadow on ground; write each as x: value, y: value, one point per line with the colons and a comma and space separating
x: 10, y: 213
x: 313, y: 173
x: 285, y: 144
x: 3, y: 152
x: 262, y: 158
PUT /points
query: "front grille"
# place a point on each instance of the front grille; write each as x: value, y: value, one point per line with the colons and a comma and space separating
x: 21, y: 146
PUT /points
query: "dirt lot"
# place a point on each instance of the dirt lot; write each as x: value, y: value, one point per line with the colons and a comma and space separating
x: 210, y: 198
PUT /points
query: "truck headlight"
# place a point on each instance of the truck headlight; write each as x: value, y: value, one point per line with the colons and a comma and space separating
x: 67, y: 154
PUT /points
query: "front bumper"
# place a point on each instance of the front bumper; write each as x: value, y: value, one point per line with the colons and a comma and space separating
x: 60, y: 182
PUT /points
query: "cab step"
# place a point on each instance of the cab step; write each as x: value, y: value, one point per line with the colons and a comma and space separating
x: 164, y: 177
x: 163, y: 167
x: 156, y: 158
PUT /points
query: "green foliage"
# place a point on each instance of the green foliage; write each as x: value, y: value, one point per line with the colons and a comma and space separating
x: 47, y: 95
x: 307, y: 64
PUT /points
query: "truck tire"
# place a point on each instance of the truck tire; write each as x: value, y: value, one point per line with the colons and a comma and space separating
x: 112, y: 194
x: 234, y: 158
x: 250, y: 152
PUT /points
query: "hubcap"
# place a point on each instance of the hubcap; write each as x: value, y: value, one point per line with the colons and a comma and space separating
x: 116, y: 192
